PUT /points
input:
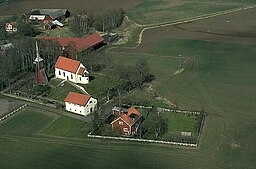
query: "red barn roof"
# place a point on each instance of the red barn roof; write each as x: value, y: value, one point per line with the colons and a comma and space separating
x: 76, y: 98
x: 80, y: 44
x: 67, y: 64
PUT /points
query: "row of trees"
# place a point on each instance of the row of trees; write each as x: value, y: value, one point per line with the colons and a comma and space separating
x: 83, y: 22
x: 20, y: 59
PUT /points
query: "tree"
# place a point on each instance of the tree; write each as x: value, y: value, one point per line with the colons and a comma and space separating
x: 109, y: 20
x: 154, y: 125
x: 80, y: 24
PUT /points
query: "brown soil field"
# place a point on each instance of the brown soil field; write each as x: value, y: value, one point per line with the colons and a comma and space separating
x: 238, y: 27
x: 96, y: 6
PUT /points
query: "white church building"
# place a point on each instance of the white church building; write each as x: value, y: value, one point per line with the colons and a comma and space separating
x: 80, y: 103
x: 71, y: 70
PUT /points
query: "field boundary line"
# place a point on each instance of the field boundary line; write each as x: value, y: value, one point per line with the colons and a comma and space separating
x: 12, y: 113
x: 148, y: 54
x: 196, y: 18
x: 142, y: 140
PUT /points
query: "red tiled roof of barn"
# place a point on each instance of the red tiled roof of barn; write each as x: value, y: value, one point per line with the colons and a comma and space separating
x: 67, y: 64
x: 76, y: 98
x: 80, y: 44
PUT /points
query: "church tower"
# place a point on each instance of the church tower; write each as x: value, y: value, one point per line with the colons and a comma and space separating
x: 40, y: 74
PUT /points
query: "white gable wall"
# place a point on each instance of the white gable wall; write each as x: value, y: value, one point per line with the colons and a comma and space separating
x: 90, y: 107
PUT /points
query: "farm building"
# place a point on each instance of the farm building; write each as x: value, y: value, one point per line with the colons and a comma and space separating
x: 79, y: 45
x: 71, y: 70
x: 128, y: 120
x: 11, y: 27
x: 46, y: 15
x: 52, y: 25
x: 80, y: 103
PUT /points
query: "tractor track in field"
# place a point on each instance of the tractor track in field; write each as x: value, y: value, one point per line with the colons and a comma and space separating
x: 197, y: 18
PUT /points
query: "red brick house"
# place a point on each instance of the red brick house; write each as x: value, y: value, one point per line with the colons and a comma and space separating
x: 128, y: 120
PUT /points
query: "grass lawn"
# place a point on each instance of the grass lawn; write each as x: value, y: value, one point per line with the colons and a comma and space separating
x: 98, y: 85
x: 159, y: 11
x: 143, y: 98
x: 60, y: 92
x: 67, y: 127
x: 178, y: 122
x: 55, y: 82
x: 58, y: 32
x: 27, y: 122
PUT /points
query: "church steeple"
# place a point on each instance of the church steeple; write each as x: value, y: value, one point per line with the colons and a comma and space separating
x: 40, y: 74
x: 38, y: 58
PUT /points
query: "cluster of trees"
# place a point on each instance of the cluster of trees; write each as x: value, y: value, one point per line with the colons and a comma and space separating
x: 20, y: 59
x: 153, y: 126
x: 24, y: 29
x: 134, y: 76
x: 82, y: 22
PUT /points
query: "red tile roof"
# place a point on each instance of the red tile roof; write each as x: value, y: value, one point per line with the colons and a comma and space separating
x: 132, y: 110
x: 80, y: 44
x: 76, y: 98
x: 127, y: 119
x: 11, y: 23
x: 81, y: 71
x: 67, y: 64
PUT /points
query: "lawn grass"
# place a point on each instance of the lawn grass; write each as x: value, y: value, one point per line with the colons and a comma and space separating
x: 160, y: 11
x: 27, y: 122
x: 179, y: 122
x: 55, y: 82
x: 58, y: 32
x: 99, y: 85
x: 67, y: 127
x: 59, y: 93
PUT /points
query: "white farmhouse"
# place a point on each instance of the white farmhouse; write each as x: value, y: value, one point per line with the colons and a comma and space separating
x: 80, y: 103
x: 71, y: 70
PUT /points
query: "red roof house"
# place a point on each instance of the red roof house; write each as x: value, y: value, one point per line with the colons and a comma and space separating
x: 11, y: 27
x: 128, y: 120
x: 80, y: 44
x: 76, y: 98
x: 81, y: 104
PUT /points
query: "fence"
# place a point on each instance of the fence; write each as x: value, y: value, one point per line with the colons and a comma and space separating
x: 13, y: 112
x: 142, y: 140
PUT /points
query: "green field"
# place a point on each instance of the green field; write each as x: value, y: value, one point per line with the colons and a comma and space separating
x: 160, y: 11
x: 26, y: 122
x: 218, y: 77
x: 67, y: 127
